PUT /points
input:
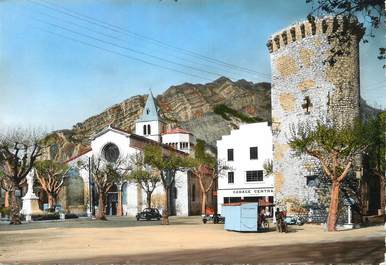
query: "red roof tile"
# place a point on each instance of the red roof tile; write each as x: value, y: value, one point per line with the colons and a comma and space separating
x: 176, y: 130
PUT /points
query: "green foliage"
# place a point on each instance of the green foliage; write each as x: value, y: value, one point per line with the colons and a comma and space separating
x: 5, y: 211
x: 51, y: 168
x: 376, y: 151
x: 167, y: 162
x: 52, y: 216
x: 142, y: 173
x: 268, y: 167
x: 225, y: 112
x: 326, y: 138
x: 370, y: 11
x: 201, y: 157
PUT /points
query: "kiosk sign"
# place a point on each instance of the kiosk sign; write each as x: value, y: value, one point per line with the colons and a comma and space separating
x: 254, y: 192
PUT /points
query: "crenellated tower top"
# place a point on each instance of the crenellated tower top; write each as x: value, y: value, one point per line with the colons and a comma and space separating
x: 325, y: 25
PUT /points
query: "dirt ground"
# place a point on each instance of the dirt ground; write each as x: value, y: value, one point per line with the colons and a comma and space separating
x: 186, y: 240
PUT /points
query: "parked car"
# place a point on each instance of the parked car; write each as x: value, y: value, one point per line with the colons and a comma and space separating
x: 148, y: 214
x: 215, y: 218
x: 294, y: 220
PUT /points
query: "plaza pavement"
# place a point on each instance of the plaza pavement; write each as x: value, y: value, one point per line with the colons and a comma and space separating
x: 186, y: 240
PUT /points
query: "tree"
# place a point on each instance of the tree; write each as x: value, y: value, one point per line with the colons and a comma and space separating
x: 104, y: 175
x: 371, y: 12
x: 143, y: 175
x: 51, y: 176
x: 167, y: 162
x: 336, y: 149
x: 19, y: 150
x: 6, y: 186
x: 268, y: 167
x: 377, y: 150
x: 207, y: 170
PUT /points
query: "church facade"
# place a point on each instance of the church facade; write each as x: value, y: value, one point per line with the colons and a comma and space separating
x: 127, y: 198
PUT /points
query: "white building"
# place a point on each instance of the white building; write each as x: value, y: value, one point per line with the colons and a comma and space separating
x: 245, y: 151
x: 179, y: 139
x: 111, y: 143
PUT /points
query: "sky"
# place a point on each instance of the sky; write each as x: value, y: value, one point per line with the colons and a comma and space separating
x: 64, y: 61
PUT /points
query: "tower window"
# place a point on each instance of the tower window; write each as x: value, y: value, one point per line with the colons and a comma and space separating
x: 148, y: 129
x: 307, y: 105
x: 312, y: 181
x: 144, y: 129
x: 147, y: 111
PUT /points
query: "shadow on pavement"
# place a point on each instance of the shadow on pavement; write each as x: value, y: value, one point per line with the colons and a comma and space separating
x: 363, y: 251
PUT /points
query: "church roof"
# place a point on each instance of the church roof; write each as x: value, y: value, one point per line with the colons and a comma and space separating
x: 176, y: 130
x: 150, y: 111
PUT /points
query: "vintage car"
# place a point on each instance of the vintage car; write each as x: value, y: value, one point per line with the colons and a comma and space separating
x: 294, y: 220
x: 215, y: 218
x: 148, y: 214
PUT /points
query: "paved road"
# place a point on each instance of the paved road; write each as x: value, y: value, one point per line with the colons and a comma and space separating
x: 370, y: 251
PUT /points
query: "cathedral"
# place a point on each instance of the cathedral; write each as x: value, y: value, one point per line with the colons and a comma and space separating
x: 127, y: 198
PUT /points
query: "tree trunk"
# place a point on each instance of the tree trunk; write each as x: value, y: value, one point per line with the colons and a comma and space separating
x: 165, y: 211
x: 203, y: 203
x: 382, y: 192
x: 101, y: 214
x: 15, y: 208
x: 148, y: 199
x: 6, y: 199
x: 119, y: 206
x: 334, y: 206
x: 51, y: 200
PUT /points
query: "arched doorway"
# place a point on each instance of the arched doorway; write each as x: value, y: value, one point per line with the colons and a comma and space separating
x: 112, y: 200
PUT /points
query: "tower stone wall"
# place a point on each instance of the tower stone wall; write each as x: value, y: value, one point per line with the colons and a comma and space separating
x: 306, y: 88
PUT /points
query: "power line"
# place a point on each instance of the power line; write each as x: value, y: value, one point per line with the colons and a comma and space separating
x: 126, y: 48
x: 122, y: 40
x: 122, y: 54
x: 118, y: 29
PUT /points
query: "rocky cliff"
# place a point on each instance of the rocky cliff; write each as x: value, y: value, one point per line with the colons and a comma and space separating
x: 207, y: 110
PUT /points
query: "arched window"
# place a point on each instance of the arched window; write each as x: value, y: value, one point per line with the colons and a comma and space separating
x: 148, y: 129
x: 144, y: 129
x: 147, y: 111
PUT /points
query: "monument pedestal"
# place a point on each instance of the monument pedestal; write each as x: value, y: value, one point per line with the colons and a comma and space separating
x: 30, y: 206
x: 30, y: 200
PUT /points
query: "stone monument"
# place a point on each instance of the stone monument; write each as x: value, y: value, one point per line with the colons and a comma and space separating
x: 30, y: 200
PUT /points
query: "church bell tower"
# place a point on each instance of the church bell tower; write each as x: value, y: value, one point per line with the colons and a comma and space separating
x: 150, y: 124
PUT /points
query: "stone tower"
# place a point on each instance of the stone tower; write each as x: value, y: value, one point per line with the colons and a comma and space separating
x: 306, y: 88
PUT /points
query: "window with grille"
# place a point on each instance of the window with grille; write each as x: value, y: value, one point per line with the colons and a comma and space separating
x: 231, y: 177
x: 254, y: 175
x: 253, y: 152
